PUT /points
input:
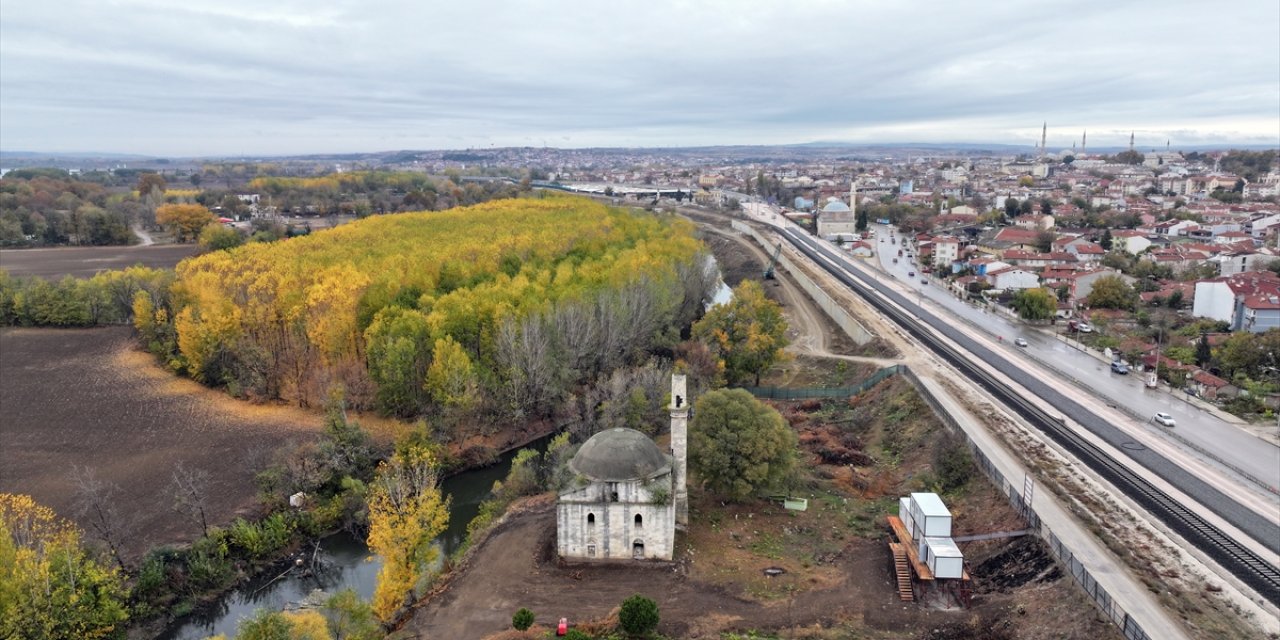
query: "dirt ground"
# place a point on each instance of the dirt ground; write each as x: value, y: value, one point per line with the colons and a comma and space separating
x: 84, y: 262
x: 87, y: 397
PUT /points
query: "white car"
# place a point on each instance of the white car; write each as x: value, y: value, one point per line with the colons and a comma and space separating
x: 1163, y: 419
x: 1020, y: 342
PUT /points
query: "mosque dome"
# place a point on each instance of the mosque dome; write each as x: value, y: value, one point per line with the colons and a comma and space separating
x: 616, y: 455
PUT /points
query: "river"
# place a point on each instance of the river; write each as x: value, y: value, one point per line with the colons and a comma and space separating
x: 348, y: 562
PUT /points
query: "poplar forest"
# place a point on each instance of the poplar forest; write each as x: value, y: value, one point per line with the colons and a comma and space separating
x: 496, y: 310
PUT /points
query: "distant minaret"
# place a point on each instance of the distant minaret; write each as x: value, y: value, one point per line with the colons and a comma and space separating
x: 1131, y: 141
x: 853, y: 197
x: 680, y: 445
x: 1044, y: 132
x: 1084, y: 142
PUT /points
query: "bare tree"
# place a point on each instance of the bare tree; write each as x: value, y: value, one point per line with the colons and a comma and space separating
x: 190, y: 490
x: 97, y: 506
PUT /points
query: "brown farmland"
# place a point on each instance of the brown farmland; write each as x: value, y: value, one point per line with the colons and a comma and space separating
x: 83, y: 262
x: 87, y: 398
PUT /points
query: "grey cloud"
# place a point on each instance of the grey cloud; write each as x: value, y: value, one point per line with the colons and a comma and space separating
x: 211, y: 77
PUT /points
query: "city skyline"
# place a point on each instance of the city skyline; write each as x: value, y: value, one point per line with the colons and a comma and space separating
x: 230, y: 78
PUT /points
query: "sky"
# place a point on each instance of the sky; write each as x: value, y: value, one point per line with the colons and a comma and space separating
x: 284, y: 77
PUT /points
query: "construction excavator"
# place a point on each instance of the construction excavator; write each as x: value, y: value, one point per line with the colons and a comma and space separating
x: 773, y: 262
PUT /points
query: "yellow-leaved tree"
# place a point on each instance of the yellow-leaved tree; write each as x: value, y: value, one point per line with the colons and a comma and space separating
x: 406, y: 512
x: 51, y: 587
x: 184, y: 220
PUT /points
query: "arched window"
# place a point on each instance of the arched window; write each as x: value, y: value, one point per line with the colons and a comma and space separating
x: 639, y: 521
x: 591, y: 519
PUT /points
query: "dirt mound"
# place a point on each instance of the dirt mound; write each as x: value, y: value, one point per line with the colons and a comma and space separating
x: 1024, y: 561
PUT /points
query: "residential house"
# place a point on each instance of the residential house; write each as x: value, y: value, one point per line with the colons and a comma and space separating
x: 946, y: 250
x: 1222, y: 298
x: 1130, y: 241
x: 1013, y: 279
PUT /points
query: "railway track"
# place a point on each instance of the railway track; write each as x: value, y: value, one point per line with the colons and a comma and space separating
x: 1240, y: 560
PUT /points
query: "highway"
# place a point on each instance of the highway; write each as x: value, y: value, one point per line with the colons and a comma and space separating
x: 1254, y: 459
x: 1242, y: 558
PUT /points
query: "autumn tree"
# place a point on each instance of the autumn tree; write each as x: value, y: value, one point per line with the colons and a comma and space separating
x: 406, y: 512
x: 739, y: 445
x: 50, y: 586
x: 451, y: 379
x: 747, y: 333
x: 185, y: 221
x: 151, y: 183
x: 1112, y: 292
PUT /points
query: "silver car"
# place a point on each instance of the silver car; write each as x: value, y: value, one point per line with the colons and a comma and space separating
x: 1163, y: 419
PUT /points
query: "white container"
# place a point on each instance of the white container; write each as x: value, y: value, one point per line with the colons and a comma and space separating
x: 944, y: 558
x: 931, y: 517
x: 904, y: 514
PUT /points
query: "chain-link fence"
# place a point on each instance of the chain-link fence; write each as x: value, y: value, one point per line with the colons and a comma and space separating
x: 778, y: 393
x: 1130, y: 627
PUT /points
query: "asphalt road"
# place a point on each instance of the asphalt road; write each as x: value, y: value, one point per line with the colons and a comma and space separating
x: 1263, y: 528
x: 1236, y: 449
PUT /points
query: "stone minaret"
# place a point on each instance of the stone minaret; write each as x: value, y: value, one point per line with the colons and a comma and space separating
x: 853, y: 197
x: 680, y: 445
x: 1044, y: 136
x: 1084, y: 143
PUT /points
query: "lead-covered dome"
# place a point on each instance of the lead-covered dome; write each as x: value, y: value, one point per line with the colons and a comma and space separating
x: 615, y: 455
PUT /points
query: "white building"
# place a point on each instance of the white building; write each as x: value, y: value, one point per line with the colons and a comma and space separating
x: 629, y: 495
x: 946, y: 250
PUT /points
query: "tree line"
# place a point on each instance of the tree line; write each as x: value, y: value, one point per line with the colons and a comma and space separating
x: 499, y: 307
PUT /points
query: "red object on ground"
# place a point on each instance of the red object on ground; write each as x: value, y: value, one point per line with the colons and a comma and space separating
x: 563, y: 627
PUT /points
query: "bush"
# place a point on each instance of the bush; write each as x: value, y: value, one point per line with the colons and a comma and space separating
x: 522, y: 620
x: 639, y: 615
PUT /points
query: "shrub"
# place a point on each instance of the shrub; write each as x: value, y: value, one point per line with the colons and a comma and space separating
x: 522, y: 620
x: 638, y: 616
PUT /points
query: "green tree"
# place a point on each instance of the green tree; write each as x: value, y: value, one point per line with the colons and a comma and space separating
x: 638, y: 615
x: 1035, y: 304
x: 1106, y: 240
x: 748, y: 333
x: 1111, y: 292
x: 350, y: 618
x: 522, y: 620
x: 1204, y: 353
x: 216, y: 237
x: 739, y: 445
x: 1011, y: 207
x: 265, y: 625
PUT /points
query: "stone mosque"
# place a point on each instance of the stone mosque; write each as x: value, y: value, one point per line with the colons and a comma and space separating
x: 628, y: 496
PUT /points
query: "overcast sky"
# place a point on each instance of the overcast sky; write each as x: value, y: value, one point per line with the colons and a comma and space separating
x: 268, y: 77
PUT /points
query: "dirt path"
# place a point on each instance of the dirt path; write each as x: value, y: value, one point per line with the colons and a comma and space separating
x: 142, y: 234
x: 515, y: 568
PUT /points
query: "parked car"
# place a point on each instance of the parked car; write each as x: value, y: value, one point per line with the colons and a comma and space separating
x: 1020, y: 342
x: 1119, y: 367
x: 1163, y: 419
x: 1084, y: 327
x: 924, y: 281
x: 911, y: 274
